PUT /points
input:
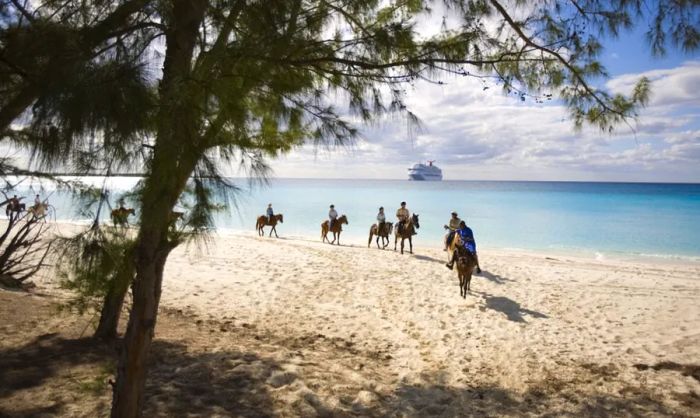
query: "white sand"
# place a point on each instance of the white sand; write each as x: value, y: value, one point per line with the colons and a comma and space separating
x: 530, y: 318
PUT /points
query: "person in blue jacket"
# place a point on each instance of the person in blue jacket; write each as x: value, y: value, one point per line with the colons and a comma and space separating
x: 467, y: 239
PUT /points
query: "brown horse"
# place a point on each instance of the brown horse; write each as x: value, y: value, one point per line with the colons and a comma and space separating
x: 120, y: 216
x: 406, y: 233
x: 39, y: 210
x: 466, y: 262
x: 337, y: 229
x: 465, y: 267
x: 263, y: 222
x: 388, y: 226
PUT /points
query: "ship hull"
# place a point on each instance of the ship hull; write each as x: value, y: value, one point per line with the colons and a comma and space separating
x: 424, y: 177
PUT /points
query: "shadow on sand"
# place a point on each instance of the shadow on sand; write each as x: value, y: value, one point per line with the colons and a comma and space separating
x: 510, y: 308
x: 493, y: 277
x: 232, y: 383
x: 431, y: 259
x: 179, y: 383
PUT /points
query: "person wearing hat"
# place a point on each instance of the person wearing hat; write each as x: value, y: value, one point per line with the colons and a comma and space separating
x: 469, y: 244
x: 381, y: 220
x: 332, y: 216
x: 270, y: 213
x: 452, y: 226
x: 402, y: 215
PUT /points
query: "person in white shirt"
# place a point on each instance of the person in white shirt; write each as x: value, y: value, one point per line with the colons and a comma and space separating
x: 452, y: 226
x: 332, y: 216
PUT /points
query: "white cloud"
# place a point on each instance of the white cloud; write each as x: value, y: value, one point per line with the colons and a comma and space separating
x: 483, y: 134
x: 670, y: 87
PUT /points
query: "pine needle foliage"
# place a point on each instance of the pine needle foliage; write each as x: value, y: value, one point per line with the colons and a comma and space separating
x: 100, y: 260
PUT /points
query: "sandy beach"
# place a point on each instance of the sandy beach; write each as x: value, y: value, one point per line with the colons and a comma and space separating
x: 326, y: 330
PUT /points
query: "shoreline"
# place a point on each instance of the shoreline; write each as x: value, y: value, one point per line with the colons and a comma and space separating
x: 355, y: 241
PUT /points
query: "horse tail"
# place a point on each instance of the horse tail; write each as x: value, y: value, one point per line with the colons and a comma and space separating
x: 369, y: 241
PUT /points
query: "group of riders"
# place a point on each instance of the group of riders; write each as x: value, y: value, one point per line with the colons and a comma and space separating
x: 14, y: 206
x: 455, y: 226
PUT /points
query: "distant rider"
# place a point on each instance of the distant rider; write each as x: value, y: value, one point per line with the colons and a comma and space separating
x: 453, y: 225
x: 469, y: 244
x: 381, y: 221
x: 270, y: 213
x: 332, y: 216
x: 402, y: 215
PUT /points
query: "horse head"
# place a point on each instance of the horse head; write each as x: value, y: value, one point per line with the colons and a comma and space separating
x: 414, y: 220
x: 280, y: 217
x: 130, y: 211
x: 343, y: 220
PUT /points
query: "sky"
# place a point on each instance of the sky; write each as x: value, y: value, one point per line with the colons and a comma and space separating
x: 477, y: 134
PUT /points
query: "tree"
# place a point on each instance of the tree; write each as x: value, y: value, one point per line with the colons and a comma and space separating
x: 79, y: 65
x: 244, y: 81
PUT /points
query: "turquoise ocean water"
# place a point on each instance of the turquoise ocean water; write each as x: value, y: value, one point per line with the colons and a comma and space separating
x: 590, y: 219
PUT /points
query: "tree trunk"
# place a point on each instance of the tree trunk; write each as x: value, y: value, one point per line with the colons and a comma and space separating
x: 114, y: 299
x: 109, y: 316
x: 175, y: 155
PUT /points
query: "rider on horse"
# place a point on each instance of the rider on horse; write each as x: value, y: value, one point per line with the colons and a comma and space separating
x: 381, y: 221
x: 269, y: 212
x: 403, y: 215
x: 468, y: 243
x: 453, y: 226
x: 332, y: 216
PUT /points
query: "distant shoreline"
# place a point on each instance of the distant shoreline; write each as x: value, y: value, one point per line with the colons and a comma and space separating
x: 448, y: 180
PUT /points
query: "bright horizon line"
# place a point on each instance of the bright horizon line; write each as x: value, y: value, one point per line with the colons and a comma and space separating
x: 272, y: 178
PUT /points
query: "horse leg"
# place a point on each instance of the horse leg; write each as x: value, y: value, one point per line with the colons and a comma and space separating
x: 410, y: 245
x: 338, y: 238
x: 402, y: 240
x: 461, y: 282
x: 396, y: 238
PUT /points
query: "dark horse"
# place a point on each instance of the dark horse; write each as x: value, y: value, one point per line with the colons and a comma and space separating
x: 406, y: 232
x: 337, y: 229
x: 263, y: 222
x: 465, y: 267
x: 384, y: 234
x: 120, y: 216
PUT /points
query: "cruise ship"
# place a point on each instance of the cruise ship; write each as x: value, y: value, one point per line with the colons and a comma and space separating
x: 422, y: 172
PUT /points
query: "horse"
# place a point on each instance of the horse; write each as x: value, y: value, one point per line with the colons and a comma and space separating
x: 262, y: 222
x: 466, y: 262
x: 39, y: 210
x: 388, y: 226
x: 465, y: 267
x: 120, y: 216
x: 337, y: 229
x: 406, y: 233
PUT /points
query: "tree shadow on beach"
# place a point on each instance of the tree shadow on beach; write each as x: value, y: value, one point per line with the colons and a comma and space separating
x: 510, y: 308
x: 241, y: 383
x: 43, y: 358
x: 489, y: 400
x: 45, y: 370
x: 48, y: 364
x: 225, y: 383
